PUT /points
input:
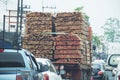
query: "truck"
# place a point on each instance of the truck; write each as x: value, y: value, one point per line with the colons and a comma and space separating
x: 18, y: 65
x: 65, y: 38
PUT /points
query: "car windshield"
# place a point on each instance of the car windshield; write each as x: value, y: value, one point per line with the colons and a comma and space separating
x: 11, y: 59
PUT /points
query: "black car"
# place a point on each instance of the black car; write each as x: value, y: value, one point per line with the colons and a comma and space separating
x: 98, y: 71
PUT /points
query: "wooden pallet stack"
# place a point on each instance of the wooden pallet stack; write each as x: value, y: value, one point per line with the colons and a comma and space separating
x: 74, y: 23
x: 36, y: 38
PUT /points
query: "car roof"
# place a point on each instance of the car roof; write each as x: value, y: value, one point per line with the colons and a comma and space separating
x: 45, y: 59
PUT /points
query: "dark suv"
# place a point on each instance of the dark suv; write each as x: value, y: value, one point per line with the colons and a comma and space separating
x: 18, y: 65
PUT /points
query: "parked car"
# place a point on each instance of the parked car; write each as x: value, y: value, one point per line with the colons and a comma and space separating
x: 18, y: 64
x: 98, y: 71
x: 113, y: 60
x: 48, y: 69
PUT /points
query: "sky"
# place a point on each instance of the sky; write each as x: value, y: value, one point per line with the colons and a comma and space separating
x: 97, y: 10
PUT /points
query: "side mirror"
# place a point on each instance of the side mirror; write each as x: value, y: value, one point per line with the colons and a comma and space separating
x: 113, y: 60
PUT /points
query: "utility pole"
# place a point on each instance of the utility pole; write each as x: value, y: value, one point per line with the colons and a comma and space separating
x: 18, y: 9
x: 43, y: 7
x: 19, y: 26
x: 3, y: 30
x: 19, y: 21
x: 21, y: 16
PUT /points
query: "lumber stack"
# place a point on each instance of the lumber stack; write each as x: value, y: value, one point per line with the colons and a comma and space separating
x: 89, y: 49
x: 75, y: 23
x: 67, y: 48
x: 73, y: 46
x: 36, y: 38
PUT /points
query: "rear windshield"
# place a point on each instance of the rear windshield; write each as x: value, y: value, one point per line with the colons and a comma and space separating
x: 11, y: 59
x: 96, y: 66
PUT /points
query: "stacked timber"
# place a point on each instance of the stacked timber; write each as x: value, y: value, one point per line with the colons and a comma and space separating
x: 89, y: 49
x: 67, y: 48
x: 70, y: 47
x: 75, y: 23
x: 36, y: 38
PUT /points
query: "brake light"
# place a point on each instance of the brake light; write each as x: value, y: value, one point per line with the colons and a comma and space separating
x: 92, y: 78
x: 19, y: 77
x: 46, y: 77
x: 100, y: 73
x: 1, y: 50
x: 118, y: 77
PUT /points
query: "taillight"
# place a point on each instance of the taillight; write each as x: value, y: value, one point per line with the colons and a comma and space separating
x: 118, y: 77
x: 46, y: 77
x: 19, y: 77
x: 100, y: 73
x: 1, y: 50
x: 92, y: 78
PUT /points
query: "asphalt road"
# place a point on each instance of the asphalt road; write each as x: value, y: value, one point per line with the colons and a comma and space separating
x: 110, y: 75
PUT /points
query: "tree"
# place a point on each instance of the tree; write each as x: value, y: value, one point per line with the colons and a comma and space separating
x: 78, y: 9
x: 96, y: 41
x: 111, y: 29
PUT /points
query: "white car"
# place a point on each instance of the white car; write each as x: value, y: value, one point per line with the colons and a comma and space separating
x: 49, y: 70
x: 113, y: 60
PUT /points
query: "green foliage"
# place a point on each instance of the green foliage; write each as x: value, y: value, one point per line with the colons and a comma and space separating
x: 111, y: 27
x: 78, y: 9
x: 96, y: 41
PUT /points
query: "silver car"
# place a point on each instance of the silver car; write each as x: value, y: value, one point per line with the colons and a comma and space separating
x: 114, y: 60
x: 18, y: 64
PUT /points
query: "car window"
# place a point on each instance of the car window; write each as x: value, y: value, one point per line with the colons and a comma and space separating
x: 11, y: 59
